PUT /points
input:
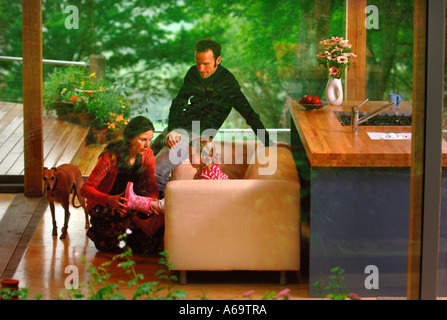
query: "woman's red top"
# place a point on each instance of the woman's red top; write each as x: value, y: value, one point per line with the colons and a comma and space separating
x: 102, y: 177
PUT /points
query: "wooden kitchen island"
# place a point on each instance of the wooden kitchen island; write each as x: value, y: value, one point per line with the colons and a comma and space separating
x: 355, y: 199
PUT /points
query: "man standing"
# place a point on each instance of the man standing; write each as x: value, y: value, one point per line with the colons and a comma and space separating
x: 207, y: 96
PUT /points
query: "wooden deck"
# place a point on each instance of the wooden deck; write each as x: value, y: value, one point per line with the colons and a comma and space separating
x: 88, y: 158
x: 63, y: 142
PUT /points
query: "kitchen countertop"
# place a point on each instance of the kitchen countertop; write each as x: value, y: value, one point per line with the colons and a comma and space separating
x: 330, y: 144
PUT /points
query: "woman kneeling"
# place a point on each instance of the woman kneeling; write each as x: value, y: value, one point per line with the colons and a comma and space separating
x: 128, y: 159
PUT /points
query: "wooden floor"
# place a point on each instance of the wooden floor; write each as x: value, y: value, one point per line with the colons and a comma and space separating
x: 41, y: 267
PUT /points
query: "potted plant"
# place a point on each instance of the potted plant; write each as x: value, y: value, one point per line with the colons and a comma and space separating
x: 81, y: 110
x: 117, y: 124
x: 96, y: 102
x: 100, y: 118
x: 108, y: 109
x: 85, y: 97
x: 59, y: 88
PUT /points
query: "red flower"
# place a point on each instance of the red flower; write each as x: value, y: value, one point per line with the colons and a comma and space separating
x: 354, y: 296
x: 283, y: 293
x: 74, y: 98
x: 248, y: 293
x: 89, y: 92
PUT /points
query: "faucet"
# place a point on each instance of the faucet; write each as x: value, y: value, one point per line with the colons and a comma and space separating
x: 355, y: 121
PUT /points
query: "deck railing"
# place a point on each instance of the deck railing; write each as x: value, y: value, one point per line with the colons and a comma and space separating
x: 48, y: 61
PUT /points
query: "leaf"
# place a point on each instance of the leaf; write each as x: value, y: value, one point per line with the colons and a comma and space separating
x: 179, y: 294
x: 127, y: 264
x: 173, y: 278
x: 159, y: 272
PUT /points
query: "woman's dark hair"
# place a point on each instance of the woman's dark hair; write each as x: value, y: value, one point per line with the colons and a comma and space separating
x: 120, y: 147
x: 206, y: 44
x: 137, y: 126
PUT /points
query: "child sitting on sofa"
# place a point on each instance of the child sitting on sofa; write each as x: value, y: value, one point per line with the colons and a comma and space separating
x: 203, y: 159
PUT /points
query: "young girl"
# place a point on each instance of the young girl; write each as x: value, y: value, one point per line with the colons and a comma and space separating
x: 203, y: 159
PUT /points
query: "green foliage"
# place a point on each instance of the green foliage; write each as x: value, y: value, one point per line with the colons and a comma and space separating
x: 20, y: 294
x: 335, y: 289
x: 9, y: 294
x: 390, y: 57
x: 269, y: 45
x: 149, y: 43
x: 61, y: 84
x: 105, y: 106
x: 99, y: 286
x: 104, y: 100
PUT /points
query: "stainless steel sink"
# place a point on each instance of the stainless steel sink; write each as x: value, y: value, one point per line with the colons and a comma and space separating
x: 386, y: 118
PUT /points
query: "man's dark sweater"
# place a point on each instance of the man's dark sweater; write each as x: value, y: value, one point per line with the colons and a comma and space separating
x: 210, y: 101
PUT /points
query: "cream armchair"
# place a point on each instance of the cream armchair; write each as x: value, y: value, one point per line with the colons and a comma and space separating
x: 250, y: 222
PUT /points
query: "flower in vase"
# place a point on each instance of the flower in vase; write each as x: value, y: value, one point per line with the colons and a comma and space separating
x: 335, y: 55
x: 342, y: 59
x: 333, y: 71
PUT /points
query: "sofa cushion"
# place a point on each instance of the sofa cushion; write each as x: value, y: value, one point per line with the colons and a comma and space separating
x: 233, y: 225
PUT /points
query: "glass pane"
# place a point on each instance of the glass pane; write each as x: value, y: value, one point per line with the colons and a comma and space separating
x: 10, y: 45
x: 359, y: 214
x: 442, y: 273
x: 389, y: 49
x: 358, y: 210
x: 148, y: 46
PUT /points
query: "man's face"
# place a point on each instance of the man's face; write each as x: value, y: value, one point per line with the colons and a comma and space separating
x: 205, y: 63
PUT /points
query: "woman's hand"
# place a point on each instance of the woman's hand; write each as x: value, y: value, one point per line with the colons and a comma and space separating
x: 117, y: 202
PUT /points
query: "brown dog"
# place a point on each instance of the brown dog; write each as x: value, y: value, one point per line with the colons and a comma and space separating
x: 59, y: 182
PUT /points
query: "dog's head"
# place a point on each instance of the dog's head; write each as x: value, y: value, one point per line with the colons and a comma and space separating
x: 49, y: 178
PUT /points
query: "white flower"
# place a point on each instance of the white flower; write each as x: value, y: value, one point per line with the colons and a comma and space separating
x: 342, y: 59
x: 345, y: 44
x: 128, y: 231
x: 122, y: 244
